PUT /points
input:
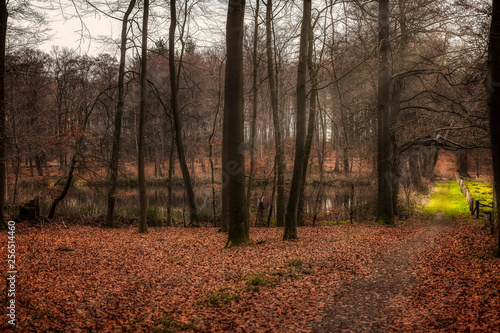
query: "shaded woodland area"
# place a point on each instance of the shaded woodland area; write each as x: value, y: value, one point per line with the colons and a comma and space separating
x: 327, y: 120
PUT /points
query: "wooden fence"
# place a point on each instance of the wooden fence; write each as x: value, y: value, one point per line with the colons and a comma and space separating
x: 474, y: 205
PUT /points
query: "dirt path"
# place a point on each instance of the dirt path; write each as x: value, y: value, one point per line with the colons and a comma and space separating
x: 365, y: 304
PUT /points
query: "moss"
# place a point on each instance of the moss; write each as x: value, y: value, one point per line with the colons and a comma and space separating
x: 482, y: 192
x: 239, y: 242
x: 448, y: 199
x: 385, y: 219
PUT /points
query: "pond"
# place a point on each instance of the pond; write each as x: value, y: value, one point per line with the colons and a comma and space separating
x: 85, y: 202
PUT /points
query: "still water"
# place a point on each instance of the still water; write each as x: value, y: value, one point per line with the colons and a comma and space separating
x: 332, y: 200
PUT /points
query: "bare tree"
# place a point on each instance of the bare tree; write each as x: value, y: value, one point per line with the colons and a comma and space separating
x: 278, y: 137
x: 143, y: 199
x: 115, y: 153
x: 300, y: 127
x: 193, y: 214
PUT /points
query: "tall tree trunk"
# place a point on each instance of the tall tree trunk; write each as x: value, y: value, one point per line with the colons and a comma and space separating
x: 493, y: 83
x: 143, y: 199
x: 278, y: 140
x: 224, y: 226
x: 193, y: 213
x: 397, y: 90
x: 233, y: 112
x: 310, y: 127
x: 385, y: 213
x: 253, y: 131
x: 115, y: 153
x: 3, y: 135
x: 300, y: 127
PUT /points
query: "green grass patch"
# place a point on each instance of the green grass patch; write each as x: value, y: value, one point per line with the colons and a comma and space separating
x: 482, y: 192
x: 448, y: 199
x: 169, y: 325
x: 295, y: 263
x: 221, y: 297
x: 258, y: 281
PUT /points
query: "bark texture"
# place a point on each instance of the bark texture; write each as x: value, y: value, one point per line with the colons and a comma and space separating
x: 493, y: 83
x: 3, y: 136
x: 233, y: 113
x: 385, y: 213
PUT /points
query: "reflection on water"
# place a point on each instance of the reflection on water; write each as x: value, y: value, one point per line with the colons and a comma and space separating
x: 333, y: 200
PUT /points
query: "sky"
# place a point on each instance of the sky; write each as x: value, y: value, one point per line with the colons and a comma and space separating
x: 67, y: 29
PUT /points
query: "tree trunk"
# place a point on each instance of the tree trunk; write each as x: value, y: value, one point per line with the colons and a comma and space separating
x: 253, y: 131
x: 300, y: 126
x: 493, y: 83
x: 463, y: 164
x: 38, y: 163
x: 233, y: 112
x: 385, y: 213
x: 278, y: 140
x: 310, y: 127
x: 224, y: 227
x: 143, y: 199
x: 69, y: 179
x: 171, y: 163
x: 193, y: 213
x: 115, y: 153
x: 3, y: 135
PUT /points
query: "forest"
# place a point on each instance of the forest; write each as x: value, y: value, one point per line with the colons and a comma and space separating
x: 250, y: 166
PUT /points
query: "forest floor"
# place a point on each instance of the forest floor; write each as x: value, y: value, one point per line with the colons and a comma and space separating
x: 418, y: 276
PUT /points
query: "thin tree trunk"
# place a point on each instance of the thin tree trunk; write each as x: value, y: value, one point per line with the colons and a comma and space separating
x: 385, y: 213
x: 143, y: 199
x: 224, y: 227
x: 69, y: 179
x: 171, y: 163
x: 253, y: 132
x: 193, y: 213
x: 321, y: 168
x: 233, y: 112
x: 278, y: 140
x: 38, y: 164
x: 3, y: 135
x: 271, y: 203
x: 300, y: 125
x: 493, y: 83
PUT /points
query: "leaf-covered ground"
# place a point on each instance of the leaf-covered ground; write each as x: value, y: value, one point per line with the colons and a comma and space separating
x: 176, y: 279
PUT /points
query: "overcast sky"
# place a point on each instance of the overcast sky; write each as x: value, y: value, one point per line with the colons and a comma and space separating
x: 68, y: 29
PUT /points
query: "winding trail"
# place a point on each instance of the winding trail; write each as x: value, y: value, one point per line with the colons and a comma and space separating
x: 366, y: 304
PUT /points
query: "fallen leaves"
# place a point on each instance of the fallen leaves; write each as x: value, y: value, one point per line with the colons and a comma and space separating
x: 181, y: 279
x: 92, y: 279
x: 459, y: 285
